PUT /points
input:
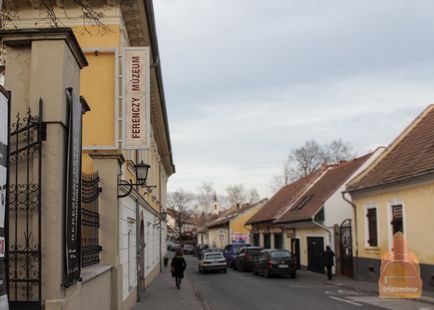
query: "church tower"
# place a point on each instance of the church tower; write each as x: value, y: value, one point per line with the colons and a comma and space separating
x: 215, y: 208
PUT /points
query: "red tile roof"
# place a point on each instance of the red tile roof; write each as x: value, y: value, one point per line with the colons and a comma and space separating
x: 314, y: 198
x: 283, y: 199
x: 409, y: 156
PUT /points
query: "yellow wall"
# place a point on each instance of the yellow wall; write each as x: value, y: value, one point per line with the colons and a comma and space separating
x: 237, y: 224
x: 418, y: 204
x: 214, y: 240
x: 302, y: 234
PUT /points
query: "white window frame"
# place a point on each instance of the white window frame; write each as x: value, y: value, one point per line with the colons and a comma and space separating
x: 366, y: 207
x: 391, y: 204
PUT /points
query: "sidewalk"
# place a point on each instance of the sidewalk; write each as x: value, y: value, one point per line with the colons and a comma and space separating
x: 370, y: 287
x: 163, y: 294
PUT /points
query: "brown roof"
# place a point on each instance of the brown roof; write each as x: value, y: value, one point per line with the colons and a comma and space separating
x: 314, y: 198
x: 283, y: 199
x: 233, y: 212
x: 409, y: 156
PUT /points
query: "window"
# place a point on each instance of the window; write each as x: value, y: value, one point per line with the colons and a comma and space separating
x: 397, y: 219
x: 256, y: 239
x: 278, y: 241
x: 371, y: 215
x: 302, y: 202
x: 267, y: 243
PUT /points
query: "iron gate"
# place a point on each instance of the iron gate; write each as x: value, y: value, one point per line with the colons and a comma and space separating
x: 346, y: 248
x: 24, y: 218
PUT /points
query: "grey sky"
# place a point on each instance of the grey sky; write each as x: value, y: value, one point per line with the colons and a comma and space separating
x: 248, y: 80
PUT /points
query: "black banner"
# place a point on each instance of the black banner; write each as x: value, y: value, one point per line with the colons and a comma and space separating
x: 4, y: 185
x: 73, y: 192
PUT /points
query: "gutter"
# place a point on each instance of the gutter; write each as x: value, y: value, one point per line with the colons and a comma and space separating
x: 322, y: 226
x: 355, y: 274
x: 149, y: 7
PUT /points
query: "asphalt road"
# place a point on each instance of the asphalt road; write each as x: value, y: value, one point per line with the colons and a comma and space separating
x: 245, y: 291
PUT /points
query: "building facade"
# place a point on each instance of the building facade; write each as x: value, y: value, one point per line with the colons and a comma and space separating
x: 132, y: 230
x: 395, y: 194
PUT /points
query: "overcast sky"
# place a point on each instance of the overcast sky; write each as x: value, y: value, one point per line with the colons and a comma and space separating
x: 248, y: 80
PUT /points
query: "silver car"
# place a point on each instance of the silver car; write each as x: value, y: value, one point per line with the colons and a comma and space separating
x: 212, y: 261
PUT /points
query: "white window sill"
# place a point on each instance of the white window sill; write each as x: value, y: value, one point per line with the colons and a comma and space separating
x: 93, y: 271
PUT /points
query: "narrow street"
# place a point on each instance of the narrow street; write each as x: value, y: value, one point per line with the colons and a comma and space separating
x: 235, y: 290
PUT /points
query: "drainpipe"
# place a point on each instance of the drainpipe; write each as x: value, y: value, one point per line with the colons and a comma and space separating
x: 322, y: 227
x: 355, y: 232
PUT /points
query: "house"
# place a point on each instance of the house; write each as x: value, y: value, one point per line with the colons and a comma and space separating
x: 230, y: 227
x: 302, y: 216
x: 129, y: 226
x: 315, y: 219
x: 396, y: 194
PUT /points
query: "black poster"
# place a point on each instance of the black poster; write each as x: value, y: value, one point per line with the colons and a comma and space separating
x: 73, y: 192
x: 4, y: 161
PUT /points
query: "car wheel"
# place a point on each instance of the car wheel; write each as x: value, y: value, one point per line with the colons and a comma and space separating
x: 225, y: 270
x: 200, y: 270
x: 266, y: 275
x: 255, y: 272
x: 292, y: 275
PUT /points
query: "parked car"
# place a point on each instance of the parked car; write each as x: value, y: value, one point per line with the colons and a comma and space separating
x: 199, y: 248
x: 276, y: 262
x: 207, y: 250
x: 175, y: 247
x: 245, y: 260
x: 231, y: 251
x: 212, y: 261
x: 188, y: 249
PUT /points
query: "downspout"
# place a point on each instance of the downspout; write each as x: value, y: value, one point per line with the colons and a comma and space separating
x: 356, y: 243
x: 322, y: 227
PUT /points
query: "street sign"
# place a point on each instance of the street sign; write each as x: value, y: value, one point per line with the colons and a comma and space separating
x: 4, y: 186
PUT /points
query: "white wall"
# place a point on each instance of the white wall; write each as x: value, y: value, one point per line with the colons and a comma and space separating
x: 152, y: 241
x: 127, y: 256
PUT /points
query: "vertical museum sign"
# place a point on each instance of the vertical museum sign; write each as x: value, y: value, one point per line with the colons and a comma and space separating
x: 73, y: 192
x: 4, y: 185
x: 136, y: 125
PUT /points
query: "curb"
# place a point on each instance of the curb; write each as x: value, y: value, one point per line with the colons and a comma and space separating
x: 204, y: 304
x: 426, y: 300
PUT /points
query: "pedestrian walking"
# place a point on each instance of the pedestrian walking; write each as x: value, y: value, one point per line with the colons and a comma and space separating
x: 328, y: 259
x: 177, y: 267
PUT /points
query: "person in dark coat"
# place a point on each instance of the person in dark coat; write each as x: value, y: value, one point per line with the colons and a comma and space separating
x: 328, y: 259
x: 178, y: 266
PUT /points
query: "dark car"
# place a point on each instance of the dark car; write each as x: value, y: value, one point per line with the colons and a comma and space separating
x: 199, y: 248
x: 276, y: 262
x: 245, y: 260
x: 188, y: 249
x: 231, y: 251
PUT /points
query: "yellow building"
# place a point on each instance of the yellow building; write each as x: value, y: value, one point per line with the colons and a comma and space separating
x: 231, y: 226
x: 127, y: 124
x: 396, y: 194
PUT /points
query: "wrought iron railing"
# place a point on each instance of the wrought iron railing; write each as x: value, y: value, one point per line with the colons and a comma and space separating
x: 90, y: 247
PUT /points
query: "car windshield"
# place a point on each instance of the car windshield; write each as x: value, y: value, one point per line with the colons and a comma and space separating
x: 214, y: 256
x: 280, y: 254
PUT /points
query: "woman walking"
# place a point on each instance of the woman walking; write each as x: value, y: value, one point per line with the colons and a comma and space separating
x: 328, y: 256
x: 178, y: 267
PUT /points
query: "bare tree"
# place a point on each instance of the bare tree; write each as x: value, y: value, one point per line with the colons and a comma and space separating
x: 306, y: 159
x: 253, y: 195
x: 180, y: 202
x: 236, y: 194
x: 205, y: 196
x: 283, y: 178
x: 337, y: 151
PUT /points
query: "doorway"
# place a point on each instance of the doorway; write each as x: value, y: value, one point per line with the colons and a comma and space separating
x: 315, y: 248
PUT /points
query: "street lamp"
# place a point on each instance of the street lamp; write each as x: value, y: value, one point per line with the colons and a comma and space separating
x: 141, y: 175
